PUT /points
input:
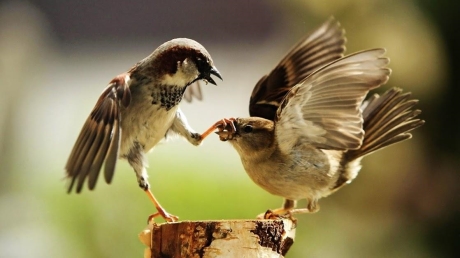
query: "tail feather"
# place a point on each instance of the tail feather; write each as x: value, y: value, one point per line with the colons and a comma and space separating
x: 388, y: 119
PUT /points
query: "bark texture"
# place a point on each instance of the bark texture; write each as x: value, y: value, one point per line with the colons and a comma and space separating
x: 221, y: 238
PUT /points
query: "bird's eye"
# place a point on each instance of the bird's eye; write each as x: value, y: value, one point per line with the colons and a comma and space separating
x: 247, y: 128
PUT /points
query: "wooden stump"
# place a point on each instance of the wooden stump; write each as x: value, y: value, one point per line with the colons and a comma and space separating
x: 221, y: 238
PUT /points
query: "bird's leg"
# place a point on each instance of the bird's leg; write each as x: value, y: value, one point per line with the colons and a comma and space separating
x: 288, y: 206
x: 137, y: 160
x: 288, y: 210
x: 161, y: 211
x: 144, y: 185
x: 181, y: 127
x: 312, y: 207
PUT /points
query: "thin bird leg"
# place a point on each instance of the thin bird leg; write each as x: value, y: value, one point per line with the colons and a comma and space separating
x: 312, y: 207
x: 285, y: 211
x: 220, y: 125
x: 161, y: 212
x: 288, y: 209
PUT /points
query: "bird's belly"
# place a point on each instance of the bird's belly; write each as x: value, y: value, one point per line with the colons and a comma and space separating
x: 146, y: 127
x: 307, y: 182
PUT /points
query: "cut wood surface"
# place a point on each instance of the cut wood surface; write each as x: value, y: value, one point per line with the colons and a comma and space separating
x: 219, y: 238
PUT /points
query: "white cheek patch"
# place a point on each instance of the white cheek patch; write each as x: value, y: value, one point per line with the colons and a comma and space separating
x: 176, y: 79
x: 186, y: 73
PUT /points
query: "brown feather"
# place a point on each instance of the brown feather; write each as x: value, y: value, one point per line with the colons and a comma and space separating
x: 100, y: 137
x: 317, y: 49
x: 112, y: 154
x: 193, y: 91
x: 326, y: 103
x: 387, y: 120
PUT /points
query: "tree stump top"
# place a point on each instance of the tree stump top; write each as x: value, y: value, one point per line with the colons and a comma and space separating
x: 219, y: 238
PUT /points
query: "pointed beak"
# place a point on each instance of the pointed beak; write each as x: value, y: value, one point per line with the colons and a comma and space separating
x: 214, y: 72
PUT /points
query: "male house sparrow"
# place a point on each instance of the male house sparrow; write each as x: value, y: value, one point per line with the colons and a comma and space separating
x: 305, y: 140
x: 136, y: 111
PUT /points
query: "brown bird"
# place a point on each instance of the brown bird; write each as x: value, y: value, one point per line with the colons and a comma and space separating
x: 305, y: 140
x: 137, y: 110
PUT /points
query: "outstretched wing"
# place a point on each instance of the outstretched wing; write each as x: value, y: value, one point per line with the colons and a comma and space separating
x: 324, y: 45
x: 193, y: 91
x: 99, y: 139
x: 324, y: 109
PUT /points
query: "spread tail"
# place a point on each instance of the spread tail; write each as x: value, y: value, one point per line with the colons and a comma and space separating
x: 388, y: 119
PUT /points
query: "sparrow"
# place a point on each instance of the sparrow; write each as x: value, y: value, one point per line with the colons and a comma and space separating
x: 137, y: 110
x: 305, y: 139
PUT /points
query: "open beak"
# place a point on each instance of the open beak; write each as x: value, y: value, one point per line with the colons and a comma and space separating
x: 215, y: 72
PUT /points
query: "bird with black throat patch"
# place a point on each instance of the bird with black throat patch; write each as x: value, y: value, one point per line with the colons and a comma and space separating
x: 137, y: 110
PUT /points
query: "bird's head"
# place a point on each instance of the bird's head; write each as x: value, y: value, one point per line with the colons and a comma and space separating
x: 181, y: 62
x: 248, y: 135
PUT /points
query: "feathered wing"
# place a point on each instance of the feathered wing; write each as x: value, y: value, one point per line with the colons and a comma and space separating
x: 193, y: 91
x: 388, y: 119
x: 99, y: 139
x: 324, y: 45
x: 324, y: 109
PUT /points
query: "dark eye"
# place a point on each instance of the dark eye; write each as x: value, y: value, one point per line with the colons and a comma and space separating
x: 247, y: 128
x: 200, y: 61
x: 201, y: 64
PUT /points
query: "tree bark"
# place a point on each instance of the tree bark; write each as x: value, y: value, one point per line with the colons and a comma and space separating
x: 220, y: 238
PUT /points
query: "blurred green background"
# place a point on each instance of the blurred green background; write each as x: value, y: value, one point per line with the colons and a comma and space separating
x: 57, y: 56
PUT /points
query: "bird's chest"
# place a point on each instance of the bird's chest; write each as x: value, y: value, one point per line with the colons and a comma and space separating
x: 149, y: 116
x: 301, y: 174
x: 166, y: 96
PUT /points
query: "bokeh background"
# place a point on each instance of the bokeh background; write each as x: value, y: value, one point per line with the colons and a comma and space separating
x: 57, y: 56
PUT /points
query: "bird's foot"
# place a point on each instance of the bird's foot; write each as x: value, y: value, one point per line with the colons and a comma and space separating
x: 276, y: 214
x: 165, y: 215
x: 226, y: 128
x: 161, y: 212
x: 282, y: 213
x: 221, y: 125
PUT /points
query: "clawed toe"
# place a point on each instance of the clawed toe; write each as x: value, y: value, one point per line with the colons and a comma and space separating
x: 166, y: 216
x: 275, y: 214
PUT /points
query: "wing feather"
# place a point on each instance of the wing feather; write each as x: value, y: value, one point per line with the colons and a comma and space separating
x: 323, y: 46
x: 324, y: 108
x: 112, y: 155
x: 193, y: 91
x: 100, y: 137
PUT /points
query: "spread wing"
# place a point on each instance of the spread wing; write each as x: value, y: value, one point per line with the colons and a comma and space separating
x: 99, y: 139
x: 324, y: 109
x: 323, y: 46
x: 193, y: 91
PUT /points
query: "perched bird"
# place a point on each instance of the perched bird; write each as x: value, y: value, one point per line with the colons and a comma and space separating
x: 136, y: 111
x: 305, y: 139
